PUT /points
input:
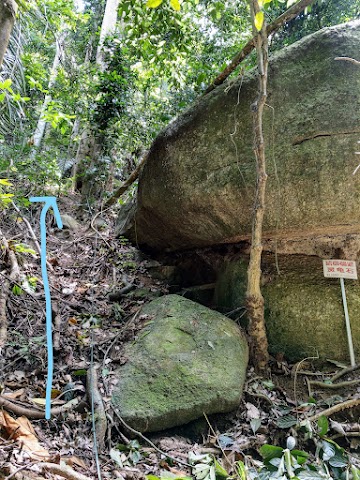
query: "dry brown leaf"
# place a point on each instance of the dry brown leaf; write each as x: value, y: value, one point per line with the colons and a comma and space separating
x: 23, y: 432
x: 75, y: 461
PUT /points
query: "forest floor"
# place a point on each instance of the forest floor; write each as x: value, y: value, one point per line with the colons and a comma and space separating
x: 98, y: 286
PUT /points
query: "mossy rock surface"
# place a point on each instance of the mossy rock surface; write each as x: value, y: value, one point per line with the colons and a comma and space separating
x: 188, y: 360
x: 304, y: 312
x: 197, y: 186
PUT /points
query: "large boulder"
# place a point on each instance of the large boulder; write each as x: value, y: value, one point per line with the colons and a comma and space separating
x: 304, y: 311
x: 188, y: 360
x: 197, y: 187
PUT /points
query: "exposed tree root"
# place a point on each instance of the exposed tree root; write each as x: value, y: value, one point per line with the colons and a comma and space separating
x: 63, y: 470
x: 95, y: 399
x: 348, y: 59
x: 335, y: 409
x: 31, y: 412
x: 333, y: 386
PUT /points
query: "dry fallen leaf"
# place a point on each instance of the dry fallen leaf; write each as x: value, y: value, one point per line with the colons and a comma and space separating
x: 22, y: 431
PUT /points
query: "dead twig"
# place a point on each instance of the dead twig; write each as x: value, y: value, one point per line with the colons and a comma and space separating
x: 343, y: 372
x: 32, y: 233
x: 147, y: 440
x: 335, y: 409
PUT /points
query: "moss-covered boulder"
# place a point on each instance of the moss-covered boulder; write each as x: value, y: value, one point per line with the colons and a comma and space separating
x: 187, y: 360
x: 304, y: 312
x: 197, y: 187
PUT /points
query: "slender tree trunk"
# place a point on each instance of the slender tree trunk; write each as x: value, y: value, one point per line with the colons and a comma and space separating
x: 8, y: 9
x: 41, y: 125
x: 254, y: 298
x: 107, y: 28
x: 90, y: 185
x: 290, y: 14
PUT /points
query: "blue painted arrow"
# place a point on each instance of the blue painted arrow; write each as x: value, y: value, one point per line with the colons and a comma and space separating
x: 50, y: 202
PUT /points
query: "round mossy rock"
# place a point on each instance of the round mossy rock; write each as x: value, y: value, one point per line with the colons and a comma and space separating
x: 186, y: 361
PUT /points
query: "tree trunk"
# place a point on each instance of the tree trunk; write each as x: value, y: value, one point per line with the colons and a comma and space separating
x: 107, y: 28
x: 254, y: 298
x: 87, y: 164
x: 41, y: 125
x: 8, y: 9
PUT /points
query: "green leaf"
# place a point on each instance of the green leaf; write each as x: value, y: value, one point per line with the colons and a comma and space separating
x: 255, y: 424
x: 338, y: 460
x: 286, y: 421
x: 153, y: 3
x: 5, y: 181
x: 6, y: 84
x: 16, y: 290
x: 240, y: 470
x: 270, y: 451
x: 355, y: 473
x: 220, y: 470
x: 323, y: 425
x: 300, y: 456
x: 79, y: 373
x: 328, y: 449
x: 309, y: 475
x: 175, y: 4
x: 259, y: 21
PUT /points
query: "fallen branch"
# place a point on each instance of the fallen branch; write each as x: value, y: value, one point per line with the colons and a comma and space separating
x: 31, y: 412
x: 63, y: 470
x: 291, y: 13
x: 98, y: 409
x: 125, y: 186
x: 335, y: 409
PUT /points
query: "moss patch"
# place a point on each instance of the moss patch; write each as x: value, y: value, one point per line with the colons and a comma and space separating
x: 304, y: 313
x: 187, y: 360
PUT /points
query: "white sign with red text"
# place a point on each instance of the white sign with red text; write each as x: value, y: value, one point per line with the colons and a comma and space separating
x: 340, y: 269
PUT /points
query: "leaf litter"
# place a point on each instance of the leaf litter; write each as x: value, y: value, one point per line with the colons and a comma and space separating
x: 88, y: 268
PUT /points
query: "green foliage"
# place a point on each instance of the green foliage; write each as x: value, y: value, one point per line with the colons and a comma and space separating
x: 5, y: 197
x: 22, y: 248
x: 331, y: 462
